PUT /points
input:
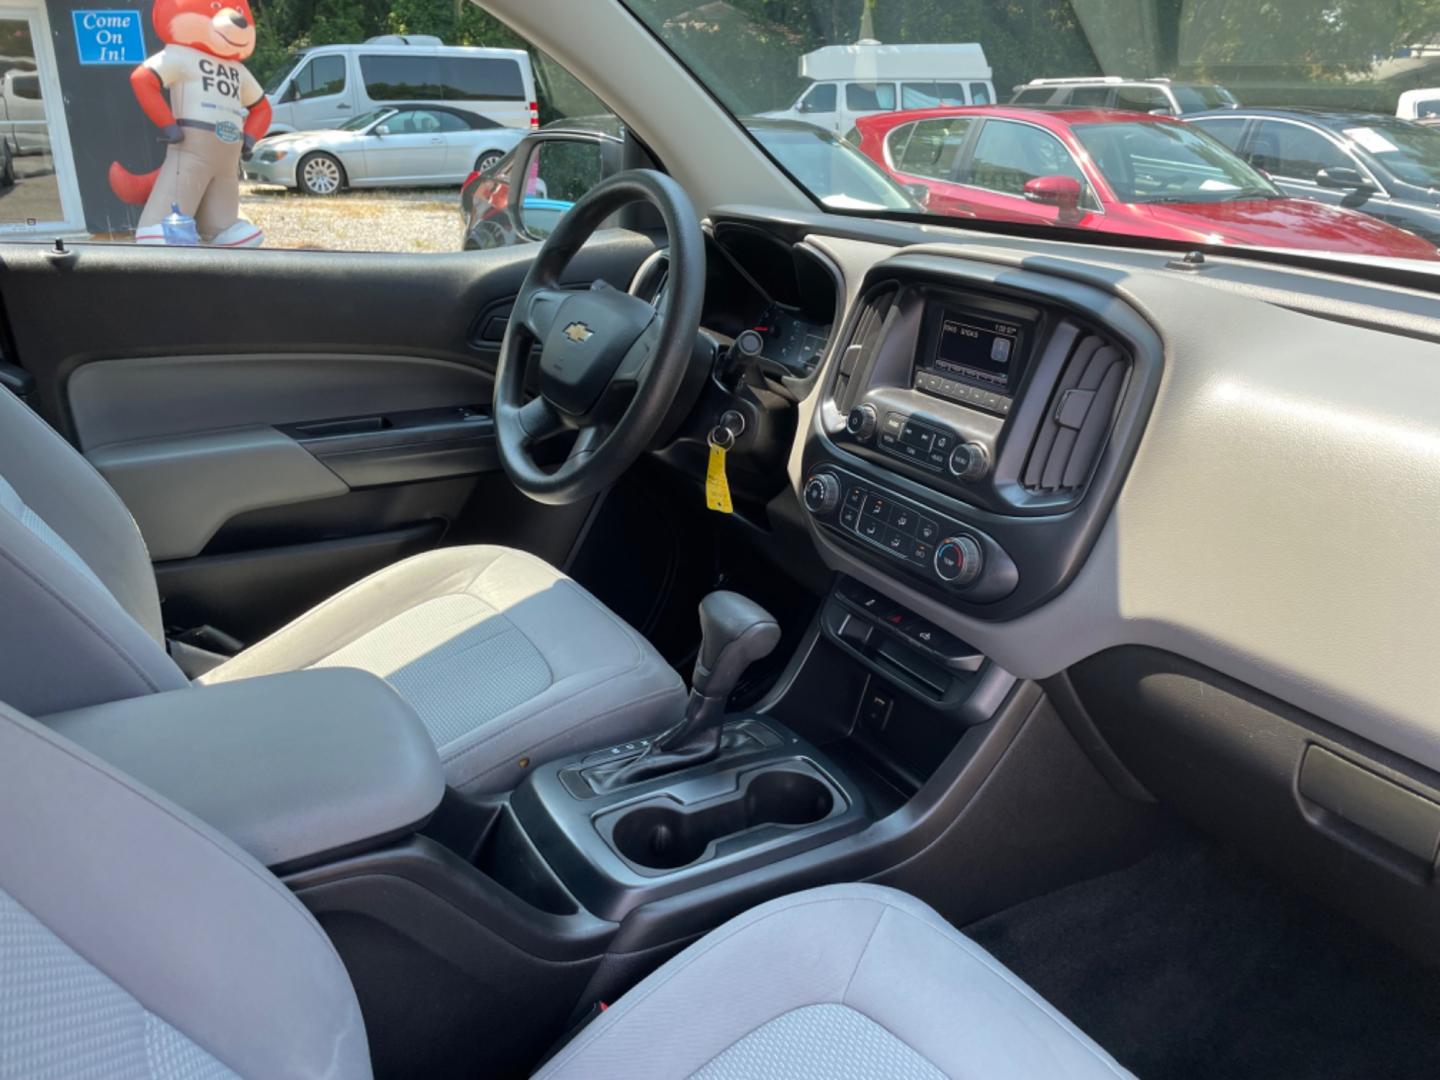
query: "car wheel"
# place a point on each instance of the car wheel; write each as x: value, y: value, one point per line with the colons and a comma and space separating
x: 487, y: 160
x: 320, y: 174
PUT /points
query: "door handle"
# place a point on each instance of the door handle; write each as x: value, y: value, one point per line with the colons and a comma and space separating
x: 438, y: 139
x: 342, y: 105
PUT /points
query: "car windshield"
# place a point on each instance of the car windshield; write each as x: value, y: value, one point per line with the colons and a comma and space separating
x: 1410, y: 151
x: 364, y: 120
x: 282, y: 73
x: 1169, y: 163
x: 1195, y: 98
x: 830, y: 169
x: 834, y: 63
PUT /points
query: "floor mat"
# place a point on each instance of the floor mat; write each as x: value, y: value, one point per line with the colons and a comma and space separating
x: 1192, y: 964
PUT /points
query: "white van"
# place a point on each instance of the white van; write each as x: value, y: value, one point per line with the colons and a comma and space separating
x: 325, y: 86
x: 850, y: 81
x: 1422, y: 106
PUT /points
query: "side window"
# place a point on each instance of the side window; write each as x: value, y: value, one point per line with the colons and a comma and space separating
x: 321, y: 76
x: 895, y: 143
x: 1010, y: 155
x: 400, y: 123
x: 1228, y: 132
x: 1088, y: 97
x: 931, y: 95
x: 820, y: 99
x: 980, y: 94
x: 480, y: 79
x: 934, y: 147
x: 1036, y: 95
x: 446, y: 121
x: 869, y: 97
x: 1293, y: 152
x: 401, y: 78
x: 1141, y: 99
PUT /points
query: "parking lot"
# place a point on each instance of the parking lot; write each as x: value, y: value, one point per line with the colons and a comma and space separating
x: 384, y: 219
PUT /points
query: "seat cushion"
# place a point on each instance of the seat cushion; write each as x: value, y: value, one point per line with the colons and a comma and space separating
x: 503, y: 657
x: 848, y: 981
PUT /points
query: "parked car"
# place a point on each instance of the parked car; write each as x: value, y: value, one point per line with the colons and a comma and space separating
x: 850, y: 81
x: 22, y: 112
x: 1422, y: 106
x: 1118, y: 172
x: 1383, y: 166
x: 328, y: 85
x: 1160, y: 96
x: 829, y: 168
x: 412, y: 144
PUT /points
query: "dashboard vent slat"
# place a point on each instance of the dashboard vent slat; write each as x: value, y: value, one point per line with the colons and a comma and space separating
x: 1078, y: 419
x: 869, y: 330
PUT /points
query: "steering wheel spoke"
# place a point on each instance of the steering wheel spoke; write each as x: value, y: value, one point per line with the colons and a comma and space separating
x: 539, y: 419
x: 538, y: 310
x: 587, y: 442
x: 636, y: 361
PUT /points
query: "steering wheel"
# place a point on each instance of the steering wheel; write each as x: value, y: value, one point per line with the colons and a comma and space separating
x: 611, y: 365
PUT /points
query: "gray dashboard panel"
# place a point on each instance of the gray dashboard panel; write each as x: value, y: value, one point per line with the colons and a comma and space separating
x: 1279, y: 520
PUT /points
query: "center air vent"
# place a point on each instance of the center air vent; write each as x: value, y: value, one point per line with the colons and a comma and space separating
x: 859, y: 354
x: 1078, y: 418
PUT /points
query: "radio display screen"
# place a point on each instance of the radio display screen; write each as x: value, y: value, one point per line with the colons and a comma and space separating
x: 978, y: 349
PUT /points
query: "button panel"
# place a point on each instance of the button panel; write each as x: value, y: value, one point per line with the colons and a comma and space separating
x: 923, y: 443
x: 963, y: 393
x: 910, y: 536
x: 914, y: 630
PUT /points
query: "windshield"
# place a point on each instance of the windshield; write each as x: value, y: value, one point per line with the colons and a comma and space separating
x: 364, y: 120
x: 273, y: 84
x: 1169, y: 163
x: 833, y: 171
x: 1195, y: 98
x: 866, y: 73
x: 1410, y: 151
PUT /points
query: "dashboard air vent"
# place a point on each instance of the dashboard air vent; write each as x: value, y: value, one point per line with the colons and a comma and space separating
x: 859, y: 354
x: 1078, y: 419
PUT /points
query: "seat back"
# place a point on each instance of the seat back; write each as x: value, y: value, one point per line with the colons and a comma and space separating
x: 136, y: 941
x: 81, y: 621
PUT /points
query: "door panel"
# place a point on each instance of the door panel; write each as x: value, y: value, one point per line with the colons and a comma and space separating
x: 282, y: 423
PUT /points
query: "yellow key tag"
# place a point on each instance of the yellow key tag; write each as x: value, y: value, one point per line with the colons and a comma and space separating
x: 717, y: 488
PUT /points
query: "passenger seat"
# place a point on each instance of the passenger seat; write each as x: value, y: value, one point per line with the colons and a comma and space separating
x: 137, y: 942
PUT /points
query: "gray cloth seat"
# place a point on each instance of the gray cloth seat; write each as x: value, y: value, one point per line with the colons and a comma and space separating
x: 136, y: 942
x: 504, y: 658
x: 847, y: 982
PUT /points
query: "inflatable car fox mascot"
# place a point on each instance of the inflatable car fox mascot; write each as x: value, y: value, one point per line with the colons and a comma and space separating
x: 215, y: 111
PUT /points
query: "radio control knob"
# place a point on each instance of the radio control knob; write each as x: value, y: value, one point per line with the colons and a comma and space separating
x: 861, y: 422
x: 958, y: 560
x: 822, y: 493
x: 969, y: 461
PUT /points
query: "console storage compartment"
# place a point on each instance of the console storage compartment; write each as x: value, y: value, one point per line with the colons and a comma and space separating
x: 295, y: 768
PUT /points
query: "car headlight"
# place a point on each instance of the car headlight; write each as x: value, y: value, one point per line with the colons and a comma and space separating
x: 272, y: 156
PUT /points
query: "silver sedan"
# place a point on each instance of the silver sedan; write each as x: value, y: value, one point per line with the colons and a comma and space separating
x: 400, y: 145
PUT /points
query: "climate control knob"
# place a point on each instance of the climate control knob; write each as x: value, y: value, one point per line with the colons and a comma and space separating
x: 958, y: 560
x: 969, y: 461
x: 822, y: 493
x: 861, y: 422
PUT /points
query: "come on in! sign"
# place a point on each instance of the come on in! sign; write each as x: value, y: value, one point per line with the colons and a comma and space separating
x: 109, y: 37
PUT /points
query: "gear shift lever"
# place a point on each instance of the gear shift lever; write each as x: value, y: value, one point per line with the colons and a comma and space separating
x: 734, y: 633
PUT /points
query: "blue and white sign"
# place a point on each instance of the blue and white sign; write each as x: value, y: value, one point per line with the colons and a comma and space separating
x: 109, y: 37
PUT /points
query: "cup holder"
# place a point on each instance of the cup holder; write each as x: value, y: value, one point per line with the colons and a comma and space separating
x: 667, y: 837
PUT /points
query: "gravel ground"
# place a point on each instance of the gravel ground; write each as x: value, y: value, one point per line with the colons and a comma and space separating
x: 373, y: 219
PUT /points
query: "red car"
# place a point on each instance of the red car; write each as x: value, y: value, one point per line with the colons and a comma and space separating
x: 1128, y: 173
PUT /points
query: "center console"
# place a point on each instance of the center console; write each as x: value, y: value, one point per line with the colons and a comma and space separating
x: 972, y: 433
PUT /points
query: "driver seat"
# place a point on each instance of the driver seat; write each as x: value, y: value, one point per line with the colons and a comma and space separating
x: 506, y: 660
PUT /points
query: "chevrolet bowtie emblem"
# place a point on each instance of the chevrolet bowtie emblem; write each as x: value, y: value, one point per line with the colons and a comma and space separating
x: 578, y: 332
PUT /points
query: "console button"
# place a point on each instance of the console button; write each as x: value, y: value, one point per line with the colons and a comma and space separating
x: 936, y: 459
x: 876, y: 507
x: 927, y: 530
x: 871, y: 527
x: 943, y: 441
x: 889, y: 440
x: 855, y: 497
x: 920, y: 552
x: 917, y: 436
x: 849, y: 516
x: 894, y: 423
x: 896, y: 540
x: 904, y: 519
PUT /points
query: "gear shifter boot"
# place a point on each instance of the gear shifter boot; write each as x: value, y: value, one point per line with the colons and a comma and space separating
x: 735, y: 632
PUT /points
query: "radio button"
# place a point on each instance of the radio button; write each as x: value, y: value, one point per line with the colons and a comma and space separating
x: 942, y: 441
x: 895, y: 422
